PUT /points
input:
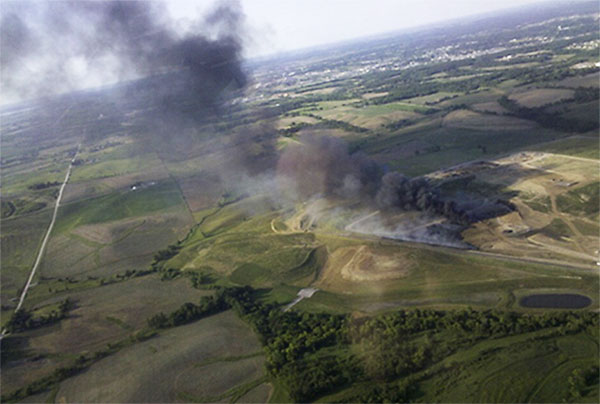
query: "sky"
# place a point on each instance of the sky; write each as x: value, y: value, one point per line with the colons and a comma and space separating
x: 283, y: 25
x: 51, y: 46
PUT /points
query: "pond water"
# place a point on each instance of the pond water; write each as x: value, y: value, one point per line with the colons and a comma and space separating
x: 556, y: 301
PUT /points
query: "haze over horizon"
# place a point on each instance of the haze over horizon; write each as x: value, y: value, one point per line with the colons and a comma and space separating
x: 76, y: 54
x: 282, y: 26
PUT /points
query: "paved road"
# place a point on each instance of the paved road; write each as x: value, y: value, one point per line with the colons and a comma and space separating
x: 591, y: 268
x: 47, y: 236
x: 305, y: 293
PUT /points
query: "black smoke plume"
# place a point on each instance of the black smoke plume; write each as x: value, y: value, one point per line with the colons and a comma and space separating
x: 58, y: 46
x: 323, y: 166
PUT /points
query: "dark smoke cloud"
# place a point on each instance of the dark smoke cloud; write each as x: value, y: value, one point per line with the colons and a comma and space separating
x: 57, y: 46
x: 321, y: 165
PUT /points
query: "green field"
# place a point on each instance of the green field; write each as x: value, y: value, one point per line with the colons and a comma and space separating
x: 583, y: 200
x: 120, y: 205
x: 115, y: 167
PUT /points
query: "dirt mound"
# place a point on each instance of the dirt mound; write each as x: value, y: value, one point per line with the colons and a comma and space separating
x: 362, y: 263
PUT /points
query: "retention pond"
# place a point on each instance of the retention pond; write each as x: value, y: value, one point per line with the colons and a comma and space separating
x: 556, y: 301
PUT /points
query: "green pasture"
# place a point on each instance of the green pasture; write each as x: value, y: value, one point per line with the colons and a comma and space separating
x: 116, y: 167
x: 383, y: 109
x: 583, y: 200
x: 120, y: 205
x: 18, y: 182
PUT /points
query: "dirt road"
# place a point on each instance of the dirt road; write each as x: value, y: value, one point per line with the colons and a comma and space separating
x: 47, y: 236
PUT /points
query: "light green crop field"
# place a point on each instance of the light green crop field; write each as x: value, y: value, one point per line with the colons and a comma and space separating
x: 370, y: 116
x: 114, y: 168
x: 120, y: 205
x: 227, y: 242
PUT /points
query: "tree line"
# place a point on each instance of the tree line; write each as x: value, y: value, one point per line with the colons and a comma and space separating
x: 312, y: 354
x: 23, y: 319
x: 43, y: 185
x: 552, y: 120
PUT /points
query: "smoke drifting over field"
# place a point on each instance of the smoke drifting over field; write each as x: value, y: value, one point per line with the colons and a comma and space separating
x: 54, y: 47
x: 324, y: 167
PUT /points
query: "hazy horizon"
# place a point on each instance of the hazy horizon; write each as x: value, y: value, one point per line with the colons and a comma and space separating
x: 282, y: 26
x: 58, y: 60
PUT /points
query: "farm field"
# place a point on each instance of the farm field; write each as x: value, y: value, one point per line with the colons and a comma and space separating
x: 213, y: 359
x: 103, y: 313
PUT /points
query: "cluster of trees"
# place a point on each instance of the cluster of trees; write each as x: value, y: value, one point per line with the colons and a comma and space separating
x: 407, y: 90
x: 43, y: 185
x: 396, y: 392
x: 471, y: 323
x: 224, y: 299
x: 227, y: 198
x: 395, y: 125
x: 295, y: 128
x: 307, y: 379
x: 164, y: 255
x: 119, y: 277
x: 383, y: 350
x: 8, y: 209
x: 45, y: 383
x: 23, y: 319
x: 188, y: 312
x: 199, y: 280
x: 580, y: 381
x: 322, y: 124
x: 586, y: 94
